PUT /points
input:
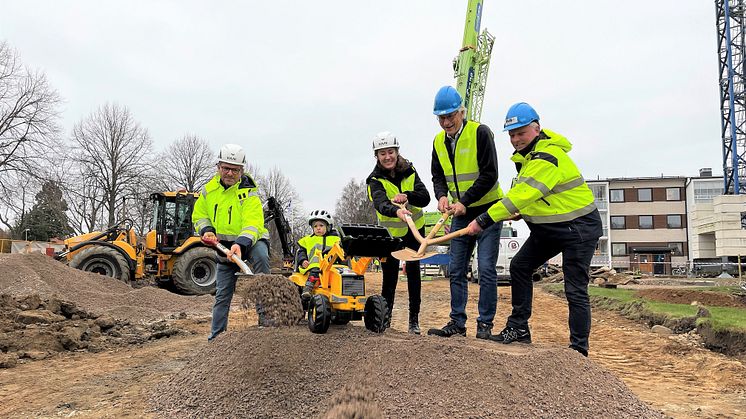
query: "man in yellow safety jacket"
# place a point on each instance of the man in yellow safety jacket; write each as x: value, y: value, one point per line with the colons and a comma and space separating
x: 229, y: 210
x: 464, y: 166
x: 549, y: 193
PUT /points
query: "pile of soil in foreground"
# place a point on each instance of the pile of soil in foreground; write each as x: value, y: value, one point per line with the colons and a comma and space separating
x: 22, y: 275
x: 290, y: 372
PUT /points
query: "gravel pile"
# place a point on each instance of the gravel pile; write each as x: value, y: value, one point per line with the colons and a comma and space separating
x: 290, y: 372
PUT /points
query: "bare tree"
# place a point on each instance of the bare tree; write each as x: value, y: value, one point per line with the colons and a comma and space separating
x: 112, y: 150
x: 276, y: 184
x: 17, y: 193
x: 28, y: 115
x: 188, y: 163
x: 354, y: 206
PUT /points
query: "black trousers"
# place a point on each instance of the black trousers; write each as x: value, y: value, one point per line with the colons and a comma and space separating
x: 576, y: 261
x: 390, y: 268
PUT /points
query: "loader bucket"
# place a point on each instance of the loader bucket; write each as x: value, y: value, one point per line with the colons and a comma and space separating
x: 367, y: 240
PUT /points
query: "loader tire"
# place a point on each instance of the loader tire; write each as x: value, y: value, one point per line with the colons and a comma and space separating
x: 375, y: 314
x: 102, y: 260
x: 319, y: 314
x: 195, y: 271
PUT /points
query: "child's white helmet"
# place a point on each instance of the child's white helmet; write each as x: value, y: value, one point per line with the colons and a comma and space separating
x: 322, y: 215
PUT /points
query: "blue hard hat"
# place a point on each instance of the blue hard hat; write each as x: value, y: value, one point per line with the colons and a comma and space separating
x: 447, y: 100
x: 520, y: 115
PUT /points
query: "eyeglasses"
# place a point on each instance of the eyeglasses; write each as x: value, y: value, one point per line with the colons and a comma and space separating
x: 226, y: 169
x: 451, y: 115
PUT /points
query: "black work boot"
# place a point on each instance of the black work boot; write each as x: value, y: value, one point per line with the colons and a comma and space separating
x: 448, y: 330
x: 414, y: 323
x: 307, y: 290
x: 579, y: 349
x: 512, y: 334
x: 484, y: 330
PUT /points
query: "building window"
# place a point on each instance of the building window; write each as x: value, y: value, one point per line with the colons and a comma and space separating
x: 618, y: 249
x: 616, y: 195
x: 646, y: 221
x: 673, y: 221
x: 678, y: 248
x: 645, y: 195
x: 673, y: 194
x: 617, y: 223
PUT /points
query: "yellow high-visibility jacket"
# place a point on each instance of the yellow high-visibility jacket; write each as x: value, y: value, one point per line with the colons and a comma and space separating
x: 308, y: 246
x: 548, y: 188
x: 465, y: 168
x: 234, y: 214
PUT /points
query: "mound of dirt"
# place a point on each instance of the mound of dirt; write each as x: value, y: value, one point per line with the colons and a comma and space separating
x: 688, y: 296
x: 353, y: 402
x: 22, y: 275
x: 47, y: 307
x: 290, y: 372
x: 273, y: 295
x: 32, y: 328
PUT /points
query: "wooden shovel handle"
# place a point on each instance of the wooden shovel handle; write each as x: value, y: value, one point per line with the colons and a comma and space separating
x: 458, y: 233
x: 411, y: 225
x: 433, y: 231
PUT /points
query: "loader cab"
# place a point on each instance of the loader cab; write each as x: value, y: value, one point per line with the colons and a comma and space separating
x: 172, y: 219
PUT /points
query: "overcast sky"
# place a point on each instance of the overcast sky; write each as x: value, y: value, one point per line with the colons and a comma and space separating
x: 304, y: 85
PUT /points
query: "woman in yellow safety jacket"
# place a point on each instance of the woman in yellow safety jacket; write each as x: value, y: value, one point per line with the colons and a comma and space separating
x: 394, y: 180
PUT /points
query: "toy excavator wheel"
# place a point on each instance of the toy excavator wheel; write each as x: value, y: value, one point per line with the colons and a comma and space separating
x: 104, y: 261
x: 195, y: 271
x: 375, y: 314
x: 319, y: 314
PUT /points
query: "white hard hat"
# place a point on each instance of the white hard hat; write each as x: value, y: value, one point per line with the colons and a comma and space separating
x: 232, y: 154
x: 383, y: 140
x: 321, y: 215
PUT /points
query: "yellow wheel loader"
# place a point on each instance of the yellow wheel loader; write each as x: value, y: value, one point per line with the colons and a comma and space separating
x: 170, y: 252
x: 341, y: 294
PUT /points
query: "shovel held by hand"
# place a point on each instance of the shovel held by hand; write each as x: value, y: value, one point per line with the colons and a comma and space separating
x: 245, y: 270
x: 409, y: 255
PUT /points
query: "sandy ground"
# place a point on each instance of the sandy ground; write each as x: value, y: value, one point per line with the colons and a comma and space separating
x: 671, y: 374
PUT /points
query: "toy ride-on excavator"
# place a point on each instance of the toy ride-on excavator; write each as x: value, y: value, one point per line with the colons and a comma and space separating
x: 341, y: 294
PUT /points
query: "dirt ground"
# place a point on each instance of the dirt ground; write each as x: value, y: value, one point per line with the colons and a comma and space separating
x: 671, y: 374
x: 688, y: 296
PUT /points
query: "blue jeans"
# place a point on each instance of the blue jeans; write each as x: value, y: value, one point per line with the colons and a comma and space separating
x: 225, y: 285
x: 461, y: 249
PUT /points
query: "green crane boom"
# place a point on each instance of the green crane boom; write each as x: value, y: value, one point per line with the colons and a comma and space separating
x: 473, y: 61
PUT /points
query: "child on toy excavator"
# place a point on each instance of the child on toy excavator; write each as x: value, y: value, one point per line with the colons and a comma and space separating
x: 322, y: 239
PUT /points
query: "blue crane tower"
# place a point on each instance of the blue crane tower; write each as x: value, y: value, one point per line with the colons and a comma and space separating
x: 730, y: 39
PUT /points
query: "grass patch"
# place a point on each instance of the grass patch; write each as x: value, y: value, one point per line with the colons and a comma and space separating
x: 656, y: 312
x: 728, y: 318
x: 671, y: 310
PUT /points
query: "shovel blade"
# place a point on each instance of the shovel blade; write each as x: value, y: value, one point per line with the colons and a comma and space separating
x: 409, y: 255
